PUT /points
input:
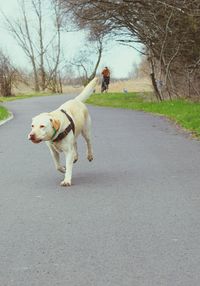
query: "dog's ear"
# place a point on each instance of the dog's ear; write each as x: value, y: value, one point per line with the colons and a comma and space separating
x: 55, y: 123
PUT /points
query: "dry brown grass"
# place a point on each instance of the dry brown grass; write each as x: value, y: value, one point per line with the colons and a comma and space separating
x: 22, y: 89
x: 72, y: 89
x: 137, y: 85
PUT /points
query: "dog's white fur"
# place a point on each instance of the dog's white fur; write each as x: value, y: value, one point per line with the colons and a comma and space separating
x: 45, y: 124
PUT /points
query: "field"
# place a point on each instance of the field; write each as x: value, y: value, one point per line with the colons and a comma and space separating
x: 142, y: 84
x: 135, y: 85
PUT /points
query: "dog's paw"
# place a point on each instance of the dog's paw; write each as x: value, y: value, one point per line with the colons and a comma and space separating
x: 65, y: 184
x: 90, y: 157
x: 61, y: 169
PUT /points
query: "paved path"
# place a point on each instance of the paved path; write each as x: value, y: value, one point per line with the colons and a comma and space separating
x: 132, y: 217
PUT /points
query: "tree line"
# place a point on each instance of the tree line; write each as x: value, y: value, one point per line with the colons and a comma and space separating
x: 168, y: 29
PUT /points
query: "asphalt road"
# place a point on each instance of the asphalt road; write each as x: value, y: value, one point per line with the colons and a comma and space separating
x: 131, y: 218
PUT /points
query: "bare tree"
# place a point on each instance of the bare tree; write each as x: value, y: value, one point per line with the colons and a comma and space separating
x: 168, y: 29
x: 53, y: 60
x: 35, y: 45
x: 87, y: 60
x: 9, y: 75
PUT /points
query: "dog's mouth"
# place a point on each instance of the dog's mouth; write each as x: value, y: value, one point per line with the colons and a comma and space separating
x: 36, y: 141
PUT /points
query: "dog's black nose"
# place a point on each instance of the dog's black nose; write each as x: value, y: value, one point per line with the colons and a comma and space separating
x: 31, y: 136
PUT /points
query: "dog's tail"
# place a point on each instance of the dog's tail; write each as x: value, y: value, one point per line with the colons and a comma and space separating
x: 88, y: 90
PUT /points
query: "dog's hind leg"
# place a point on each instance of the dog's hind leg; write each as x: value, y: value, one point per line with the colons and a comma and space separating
x: 76, y: 152
x: 86, y: 132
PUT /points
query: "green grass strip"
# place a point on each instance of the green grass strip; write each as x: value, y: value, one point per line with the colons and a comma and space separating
x: 23, y: 96
x: 3, y: 113
x: 184, y: 113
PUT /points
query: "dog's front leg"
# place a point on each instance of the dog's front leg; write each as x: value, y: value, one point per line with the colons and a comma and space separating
x: 69, y: 154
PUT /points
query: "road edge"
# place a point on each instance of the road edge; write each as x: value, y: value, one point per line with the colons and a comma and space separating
x: 11, y: 116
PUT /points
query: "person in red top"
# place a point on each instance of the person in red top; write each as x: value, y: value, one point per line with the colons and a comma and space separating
x: 106, y: 79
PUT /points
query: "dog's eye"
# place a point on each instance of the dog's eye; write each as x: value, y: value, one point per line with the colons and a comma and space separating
x: 42, y: 126
x: 32, y: 125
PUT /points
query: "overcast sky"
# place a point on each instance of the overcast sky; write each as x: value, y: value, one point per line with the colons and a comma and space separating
x: 119, y: 58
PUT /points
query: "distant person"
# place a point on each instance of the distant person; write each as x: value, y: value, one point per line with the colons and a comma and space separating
x: 105, y: 80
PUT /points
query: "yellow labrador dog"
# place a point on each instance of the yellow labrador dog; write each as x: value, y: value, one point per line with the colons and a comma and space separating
x: 60, y: 129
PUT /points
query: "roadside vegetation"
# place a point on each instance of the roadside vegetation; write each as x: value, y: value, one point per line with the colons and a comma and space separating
x: 26, y: 95
x: 182, y: 112
x: 3, y: 113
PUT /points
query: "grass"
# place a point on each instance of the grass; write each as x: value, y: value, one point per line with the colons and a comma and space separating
x: 186, y: 114
x: 3, y: 113
x: 23, y: 96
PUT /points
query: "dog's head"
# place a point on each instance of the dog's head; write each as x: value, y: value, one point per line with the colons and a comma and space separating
x: 44, y: 127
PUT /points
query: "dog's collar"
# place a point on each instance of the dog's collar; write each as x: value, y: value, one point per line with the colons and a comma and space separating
x: 63, y: 134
